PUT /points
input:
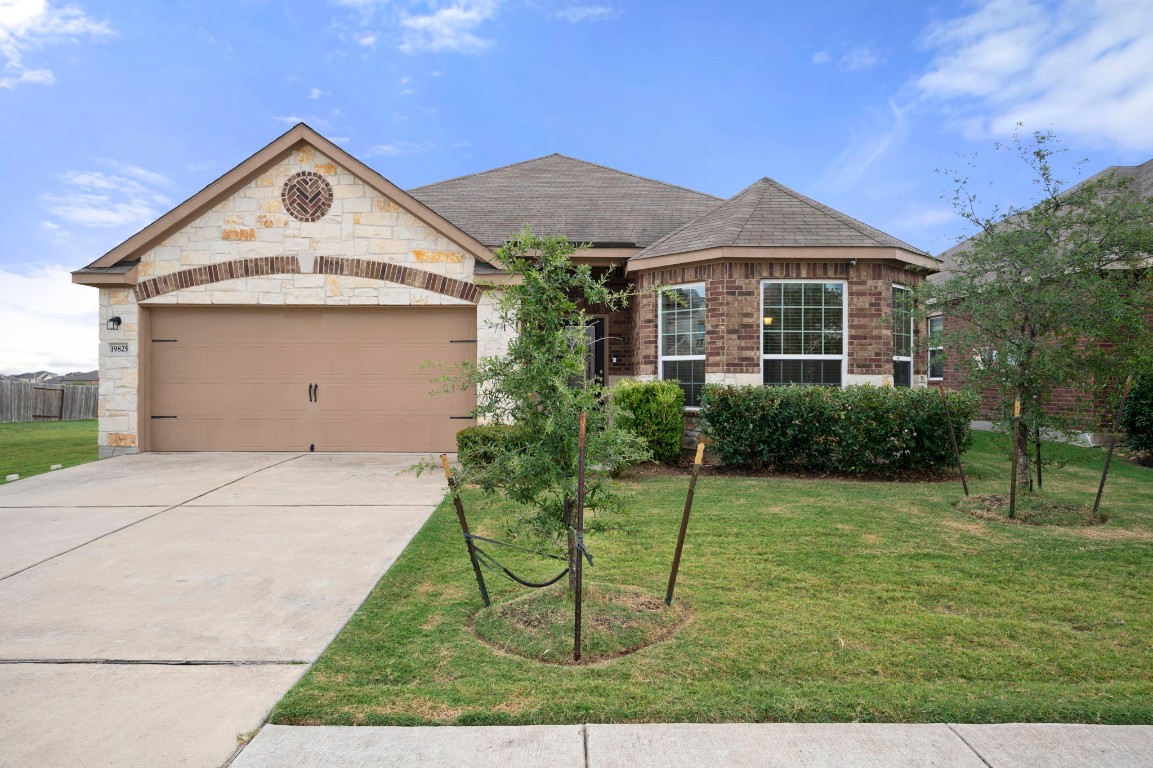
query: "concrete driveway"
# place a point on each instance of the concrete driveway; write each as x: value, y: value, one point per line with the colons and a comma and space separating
x: 154, y: 607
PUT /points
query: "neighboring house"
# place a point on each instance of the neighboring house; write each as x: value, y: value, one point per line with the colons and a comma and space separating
x: 77, y: 378
x: 291, y: 303
x: 944, y: 370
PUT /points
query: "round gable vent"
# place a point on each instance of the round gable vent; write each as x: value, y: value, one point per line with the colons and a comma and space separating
x: 307, y: 196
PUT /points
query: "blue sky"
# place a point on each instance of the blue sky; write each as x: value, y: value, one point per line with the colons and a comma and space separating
x: 111, y: 113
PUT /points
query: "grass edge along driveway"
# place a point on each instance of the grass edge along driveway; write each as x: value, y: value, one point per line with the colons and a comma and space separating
x: 31, y: 448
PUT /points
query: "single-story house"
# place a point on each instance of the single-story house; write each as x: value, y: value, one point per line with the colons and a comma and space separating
x: 292, y: 304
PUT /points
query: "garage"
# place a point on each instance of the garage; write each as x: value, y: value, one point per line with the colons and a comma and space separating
x: 300, y: 379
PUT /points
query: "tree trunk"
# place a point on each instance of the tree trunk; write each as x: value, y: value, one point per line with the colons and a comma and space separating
x: 1024, y: 463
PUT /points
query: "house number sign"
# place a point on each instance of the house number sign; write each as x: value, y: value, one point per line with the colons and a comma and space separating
x: 118, y: 349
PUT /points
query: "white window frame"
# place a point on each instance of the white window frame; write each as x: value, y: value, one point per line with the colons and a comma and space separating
x: 912, y: 328
x: 939, y: 347
x: 661, y: 357
x: 843, y: 357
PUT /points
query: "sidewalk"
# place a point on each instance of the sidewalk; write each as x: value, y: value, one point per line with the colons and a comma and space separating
x: 770, y: 745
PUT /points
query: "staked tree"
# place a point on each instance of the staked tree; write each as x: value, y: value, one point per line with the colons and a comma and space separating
x: 541, y: 386
x: 1049, y: 296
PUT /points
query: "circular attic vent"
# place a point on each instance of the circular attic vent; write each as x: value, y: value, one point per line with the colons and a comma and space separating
x: 307, y: 196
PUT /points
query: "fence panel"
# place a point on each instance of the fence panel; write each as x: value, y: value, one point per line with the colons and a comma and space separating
x: 28, y: 401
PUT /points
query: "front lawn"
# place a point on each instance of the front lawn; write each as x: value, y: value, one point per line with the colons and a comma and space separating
x: 811, y: 600
x: 30, y: 448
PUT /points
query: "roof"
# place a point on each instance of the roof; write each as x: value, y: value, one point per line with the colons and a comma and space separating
x: 242, y: 174
x: 769, y: 214
x: 1141, y: 177
x: 555, y: 194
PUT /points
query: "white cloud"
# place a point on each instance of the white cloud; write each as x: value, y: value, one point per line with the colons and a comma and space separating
x: 450, y: 28
x: 398, y: 148
x: 867, y: 147
x: 129, y: 198
x: 821, y: 57
x: 579, y: 13
x: 367, y: 39
x: 1080, y: 68
x: 858, y: 59
x: 28, y: 25
x: 56, y: 320
x: 316, y: 93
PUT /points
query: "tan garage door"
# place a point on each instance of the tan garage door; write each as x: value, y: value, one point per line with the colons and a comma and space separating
x: 334, y: 379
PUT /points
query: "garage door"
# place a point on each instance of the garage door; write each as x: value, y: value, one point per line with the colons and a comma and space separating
x: 255, y: 379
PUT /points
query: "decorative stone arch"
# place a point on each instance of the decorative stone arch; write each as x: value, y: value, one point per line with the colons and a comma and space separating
x: 290, y: 265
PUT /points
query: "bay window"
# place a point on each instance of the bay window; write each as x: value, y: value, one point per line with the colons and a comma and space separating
x: 902, y: 336
x: 682, y: 339
x: 803, y: 332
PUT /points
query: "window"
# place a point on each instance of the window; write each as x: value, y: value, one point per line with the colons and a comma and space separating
x: 902, y: 336
x: 936, y: 347
x: 682, y: 342
x: 803, y: 332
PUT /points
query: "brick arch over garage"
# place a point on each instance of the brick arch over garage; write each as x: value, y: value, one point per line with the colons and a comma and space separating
x: 290, y: 265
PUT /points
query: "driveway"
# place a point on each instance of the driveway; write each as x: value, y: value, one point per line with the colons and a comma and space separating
x: 153, y: 607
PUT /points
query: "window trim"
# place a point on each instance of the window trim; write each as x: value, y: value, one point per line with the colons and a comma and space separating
x: 661, y: 356
x: 940, y: 347
x: 843, y: 357
x: 909, y: 358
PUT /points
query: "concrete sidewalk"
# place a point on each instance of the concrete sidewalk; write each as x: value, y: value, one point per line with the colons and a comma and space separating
x: 770, y: 745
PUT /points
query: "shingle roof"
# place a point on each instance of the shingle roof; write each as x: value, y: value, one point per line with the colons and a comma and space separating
x: 556, y: 194
x: 769, y: 214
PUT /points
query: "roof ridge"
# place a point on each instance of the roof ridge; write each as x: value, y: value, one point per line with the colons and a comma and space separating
x: 757, y: 203
x: 575, y: 160
x: 861, y: 227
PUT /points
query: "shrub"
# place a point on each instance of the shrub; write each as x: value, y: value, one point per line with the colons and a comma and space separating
x: 477, y: 446
x: 854, y: 430
x: 654, y: 411
x: 1138, y: 418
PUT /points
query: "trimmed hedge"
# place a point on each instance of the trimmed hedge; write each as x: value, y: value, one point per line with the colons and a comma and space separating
x: 654, y: 411
x: 1138, y: 418
x: 851, y: 430
x: 476, y: 446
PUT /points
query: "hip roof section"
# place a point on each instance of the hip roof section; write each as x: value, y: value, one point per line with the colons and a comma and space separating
x: 555, y: 194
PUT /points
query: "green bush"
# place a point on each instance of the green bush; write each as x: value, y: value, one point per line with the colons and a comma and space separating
x: 851, y: 430
x: 1138, y: 418
x: 654, y: 411
x: 477, y: 446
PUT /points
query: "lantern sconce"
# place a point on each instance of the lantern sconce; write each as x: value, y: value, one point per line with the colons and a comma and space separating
x: 113, y: 323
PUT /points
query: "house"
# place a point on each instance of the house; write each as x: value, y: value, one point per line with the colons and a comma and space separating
x: 292, y: 304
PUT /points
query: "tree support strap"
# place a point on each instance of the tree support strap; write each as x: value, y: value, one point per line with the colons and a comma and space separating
x: 490, y: 562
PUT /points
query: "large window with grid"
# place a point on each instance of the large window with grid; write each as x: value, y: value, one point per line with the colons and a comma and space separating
x: 936, y: 347
x: 803, y: 332
x: 682, y: 339
x: 902, y: 336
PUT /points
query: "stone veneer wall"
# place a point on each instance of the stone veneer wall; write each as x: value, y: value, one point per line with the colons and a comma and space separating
x: 733, y: 319
x: 251, y: 224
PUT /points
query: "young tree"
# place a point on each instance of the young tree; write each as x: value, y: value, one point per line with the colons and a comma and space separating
x: 1049, y: 296
x: 540, y: 386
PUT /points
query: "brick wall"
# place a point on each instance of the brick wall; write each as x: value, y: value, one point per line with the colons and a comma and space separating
x: 733, y: 314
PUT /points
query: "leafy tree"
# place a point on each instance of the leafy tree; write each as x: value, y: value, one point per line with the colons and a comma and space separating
x: 1049, y: 296
x: 540, y: 386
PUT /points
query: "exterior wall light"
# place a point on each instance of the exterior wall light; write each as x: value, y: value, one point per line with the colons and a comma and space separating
x: 852, y: 262
x: 113, y: 323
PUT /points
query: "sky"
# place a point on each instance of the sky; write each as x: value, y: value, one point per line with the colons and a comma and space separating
x: 112, y: 113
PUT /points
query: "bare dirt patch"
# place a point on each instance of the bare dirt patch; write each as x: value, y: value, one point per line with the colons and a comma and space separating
x: 1030, y: 510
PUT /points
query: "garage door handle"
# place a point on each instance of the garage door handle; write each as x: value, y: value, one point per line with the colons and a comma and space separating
x: 316, y: 393
x: 310, y: 393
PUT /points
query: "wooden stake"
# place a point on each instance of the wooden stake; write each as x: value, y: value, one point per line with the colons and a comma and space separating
x: 953, y: 439
x: 456, y: 502
x: 1013, y: 483
x: 684, y: 524
x: 580, y: 529
x: 1112, y: 443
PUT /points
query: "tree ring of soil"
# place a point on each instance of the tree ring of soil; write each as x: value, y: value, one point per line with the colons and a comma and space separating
x: 616, y: 621
x: 1030, y: 511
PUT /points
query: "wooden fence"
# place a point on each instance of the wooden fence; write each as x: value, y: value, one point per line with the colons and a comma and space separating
x: 28, y: 401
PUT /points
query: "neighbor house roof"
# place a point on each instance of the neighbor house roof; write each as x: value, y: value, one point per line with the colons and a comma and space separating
x: 768, y: 214
x: 1140, y: 176
x: 555, y: 194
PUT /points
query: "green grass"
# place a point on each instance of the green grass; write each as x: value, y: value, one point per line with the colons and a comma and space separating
x: 812, y: 600
x: 30, y: 448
